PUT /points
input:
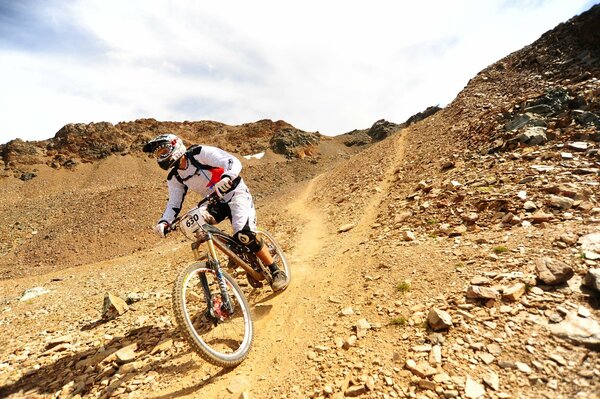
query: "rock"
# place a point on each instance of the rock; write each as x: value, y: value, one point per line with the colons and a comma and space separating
x: 419, y: 116
x: 540, y: 217
x: 32, y: 293
x: 542, y: 168
x: 473, y: 389
x: 59, y: 340
x: 356, y: 390
x: 578, y: 330
x: 408, y: 236
x: 422, y: 369
x: 27, y: 176
x: 346, y: 227
x: 523, y: 367
x: 439, y: 320
x: 113, y: 307
x: 590, y: 242
x: 535, y: 135
x: 560, y: 202
x: 426, y: 384
x: 578, y: 146
x: 133, y: 297
x: 569, y: 238
x: 530, y: 206
x: 162, y: 346
x: 347, y: 311
x: 592, y: 279
x: 494, y: 349
x: 506, y: 364
x: 126, y: 354
x: 359, y: 137
x: 421, y: 348
x: 238, y: 384
x: 552, y: 271
x: 486, y: 357
x: 350, y: 342
x: 558, y: 359
x: 362, y: 326
x: 458, y: 231
x: 402, y: 217
x: 435, y: 356
x: 518, y: 122
x: 382, y: 129
x: 492, y: 380
x: 479, y: 292
x: 514, y: 292
x: 292, y: 142
x: 582, y: 311
x: 480, y: 280
x: 130, y: 367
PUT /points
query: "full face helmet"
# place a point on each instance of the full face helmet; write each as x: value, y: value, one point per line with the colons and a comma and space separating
x: 167, y: 149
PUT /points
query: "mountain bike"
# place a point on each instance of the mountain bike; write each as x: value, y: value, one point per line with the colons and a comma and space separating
x: 210, y: 307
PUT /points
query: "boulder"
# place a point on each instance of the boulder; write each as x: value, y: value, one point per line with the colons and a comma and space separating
x: 382, y: 129
x: 113, y: 307
x: 293, y: 142
x: 439, y: 320
x: 552, y: 271
x: 578, y: 330
x: 533, y: 136
x: 592, y: 279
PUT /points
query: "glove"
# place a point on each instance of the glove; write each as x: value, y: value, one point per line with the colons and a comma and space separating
x: 161, y: 229
x: 222, y: 186
x: 208, y: 218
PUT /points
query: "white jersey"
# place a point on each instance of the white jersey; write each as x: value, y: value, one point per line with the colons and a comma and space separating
x: 206, y: 166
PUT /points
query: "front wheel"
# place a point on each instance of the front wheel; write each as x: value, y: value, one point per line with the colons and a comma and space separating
x: 276, y: 252
x: 220, y: 334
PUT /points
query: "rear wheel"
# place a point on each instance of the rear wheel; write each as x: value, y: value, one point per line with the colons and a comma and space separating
x: 220, y: 335
x: 276, y: 252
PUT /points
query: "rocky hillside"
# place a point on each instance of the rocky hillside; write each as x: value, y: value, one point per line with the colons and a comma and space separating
x: 451, y: 256
x: 77, y: 143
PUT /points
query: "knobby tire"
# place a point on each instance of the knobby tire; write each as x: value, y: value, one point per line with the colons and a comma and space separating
x: 190, y: 309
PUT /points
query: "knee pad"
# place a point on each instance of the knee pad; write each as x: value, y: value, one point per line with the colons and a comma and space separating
x: 248, y: 239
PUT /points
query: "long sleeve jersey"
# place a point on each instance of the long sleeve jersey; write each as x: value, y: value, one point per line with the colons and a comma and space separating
x: 206, y: 166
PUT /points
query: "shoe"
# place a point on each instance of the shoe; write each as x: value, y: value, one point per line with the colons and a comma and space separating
x: 279, y: 280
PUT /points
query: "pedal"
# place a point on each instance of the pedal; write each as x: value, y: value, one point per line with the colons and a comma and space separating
x: 253, y: 282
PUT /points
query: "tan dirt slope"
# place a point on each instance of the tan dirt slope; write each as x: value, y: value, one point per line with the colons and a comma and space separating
x: 453, y: 217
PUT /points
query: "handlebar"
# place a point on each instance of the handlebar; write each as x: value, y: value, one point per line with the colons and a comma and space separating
x: 209, y: 198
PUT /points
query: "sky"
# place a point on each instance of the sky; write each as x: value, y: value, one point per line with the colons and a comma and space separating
x: 329, y: 66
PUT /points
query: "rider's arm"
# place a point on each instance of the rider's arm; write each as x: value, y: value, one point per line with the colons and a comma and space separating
x: 177, y: 191
x: 217, y: 157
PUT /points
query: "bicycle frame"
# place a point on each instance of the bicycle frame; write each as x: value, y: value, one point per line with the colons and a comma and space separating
x: 213, y: 242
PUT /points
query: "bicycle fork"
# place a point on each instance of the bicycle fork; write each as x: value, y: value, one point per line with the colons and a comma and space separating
x: 225, y: 308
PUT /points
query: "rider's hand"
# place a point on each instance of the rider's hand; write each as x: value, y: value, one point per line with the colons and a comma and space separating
x: 161, y: 229
x: 222, y: 186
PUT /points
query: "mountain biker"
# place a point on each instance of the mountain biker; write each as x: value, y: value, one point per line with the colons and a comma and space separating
x: 205, y: 169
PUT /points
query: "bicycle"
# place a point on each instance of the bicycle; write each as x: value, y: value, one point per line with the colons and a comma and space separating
x: 210, y: 307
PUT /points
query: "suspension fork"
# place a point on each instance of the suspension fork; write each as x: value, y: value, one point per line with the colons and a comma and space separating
x: 214, y: 264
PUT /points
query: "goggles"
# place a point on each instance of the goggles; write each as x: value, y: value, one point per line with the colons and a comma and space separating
x: 163, y: 151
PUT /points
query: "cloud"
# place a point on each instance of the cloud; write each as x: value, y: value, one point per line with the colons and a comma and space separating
x: 329, y: 66
x: 44, y: 27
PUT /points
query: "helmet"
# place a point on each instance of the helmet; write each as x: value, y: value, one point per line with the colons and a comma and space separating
x: 167, y: 148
